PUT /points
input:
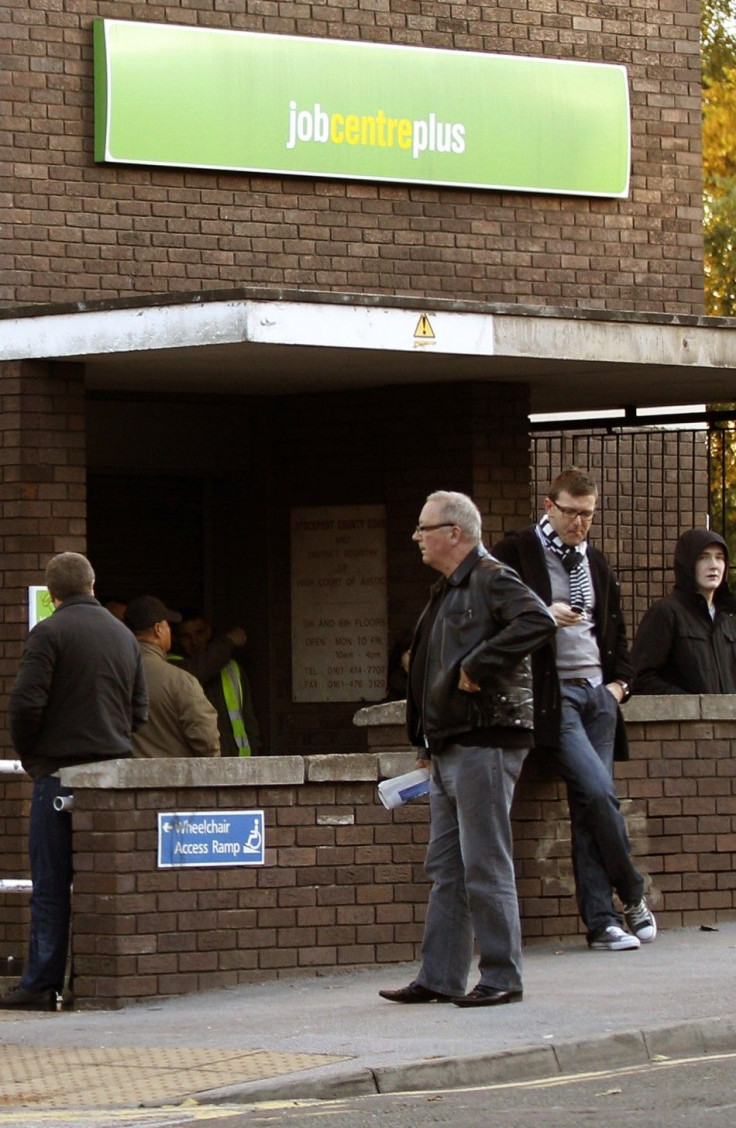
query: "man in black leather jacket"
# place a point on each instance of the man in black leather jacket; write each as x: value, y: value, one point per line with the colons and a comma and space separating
x: 469, y: 708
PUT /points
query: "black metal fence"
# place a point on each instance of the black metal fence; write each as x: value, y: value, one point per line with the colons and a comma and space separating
x: 654, y: 483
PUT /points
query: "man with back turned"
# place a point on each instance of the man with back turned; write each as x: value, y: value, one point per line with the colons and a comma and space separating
x: 79, y: 695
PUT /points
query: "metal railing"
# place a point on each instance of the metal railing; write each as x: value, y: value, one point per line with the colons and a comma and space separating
x: 13, y: 884
x: 655, y: 482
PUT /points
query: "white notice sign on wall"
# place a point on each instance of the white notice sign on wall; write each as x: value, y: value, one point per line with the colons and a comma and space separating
x: 338, y: 603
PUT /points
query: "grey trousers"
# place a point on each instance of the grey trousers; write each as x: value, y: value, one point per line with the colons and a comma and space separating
x: 470, y: 862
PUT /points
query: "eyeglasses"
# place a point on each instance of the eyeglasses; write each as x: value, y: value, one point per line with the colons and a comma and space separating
x: 571, y: 514
x: 431, y: 528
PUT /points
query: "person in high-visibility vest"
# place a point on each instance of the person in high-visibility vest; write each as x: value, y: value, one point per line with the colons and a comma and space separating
x: 223, y: 678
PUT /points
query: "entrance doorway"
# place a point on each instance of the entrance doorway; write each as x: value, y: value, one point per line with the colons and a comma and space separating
x: 145, y: 536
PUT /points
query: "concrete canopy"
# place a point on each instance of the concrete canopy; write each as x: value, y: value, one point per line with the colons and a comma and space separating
x: 277, y: 343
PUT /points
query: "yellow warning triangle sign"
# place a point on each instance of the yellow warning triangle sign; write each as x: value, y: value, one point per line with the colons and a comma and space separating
x: 424, y: 328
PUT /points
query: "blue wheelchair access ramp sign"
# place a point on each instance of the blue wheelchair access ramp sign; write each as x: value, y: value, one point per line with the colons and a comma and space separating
x: 210, y: 838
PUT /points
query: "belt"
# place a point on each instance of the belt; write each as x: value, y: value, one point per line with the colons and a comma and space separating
x: 582, y: 682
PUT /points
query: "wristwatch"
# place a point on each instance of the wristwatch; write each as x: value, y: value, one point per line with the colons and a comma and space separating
x: 625, y: 687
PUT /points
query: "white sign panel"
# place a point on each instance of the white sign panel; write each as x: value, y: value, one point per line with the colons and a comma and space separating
x: 338, y: 603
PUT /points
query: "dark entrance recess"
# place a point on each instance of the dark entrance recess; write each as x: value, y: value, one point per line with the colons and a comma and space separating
x: 145, y: 535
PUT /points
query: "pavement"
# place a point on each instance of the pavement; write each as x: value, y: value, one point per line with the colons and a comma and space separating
x: 331, y: 1036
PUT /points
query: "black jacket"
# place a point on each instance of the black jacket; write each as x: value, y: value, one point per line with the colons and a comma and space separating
x: 523, y: 551
x: 679, y: 648
x: 80, y: 689
x: 488, y: 623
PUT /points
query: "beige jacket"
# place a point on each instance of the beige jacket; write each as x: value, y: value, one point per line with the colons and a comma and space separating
x: 181, y: 721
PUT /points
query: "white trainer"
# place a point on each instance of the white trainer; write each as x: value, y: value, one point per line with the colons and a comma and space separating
x: 612, y: 939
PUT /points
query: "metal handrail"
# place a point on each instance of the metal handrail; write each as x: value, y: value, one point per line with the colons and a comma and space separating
x: 11, y: 767
x: 14, y: 884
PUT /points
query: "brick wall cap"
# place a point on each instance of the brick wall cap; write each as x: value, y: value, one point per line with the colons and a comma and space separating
x: 392, y: 764
x: 681, y: 707
x: 387, y: 713
x: 657, y: 707
x: 663, y: 707
x: 718, y: 707
x: 341, y: 768
x: 229, y: 772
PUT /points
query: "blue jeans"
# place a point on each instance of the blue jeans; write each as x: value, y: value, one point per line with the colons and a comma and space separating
x: 600, y: 843
x: 470, y: 862
x: 50, y: 849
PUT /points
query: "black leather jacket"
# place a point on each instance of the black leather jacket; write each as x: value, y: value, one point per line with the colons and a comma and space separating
x: 488, y: 623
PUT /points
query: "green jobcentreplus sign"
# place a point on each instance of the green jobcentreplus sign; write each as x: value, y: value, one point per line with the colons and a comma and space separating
x: 231, y: 100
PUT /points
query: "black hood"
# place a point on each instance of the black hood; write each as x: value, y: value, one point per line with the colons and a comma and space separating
x: 688, y: 549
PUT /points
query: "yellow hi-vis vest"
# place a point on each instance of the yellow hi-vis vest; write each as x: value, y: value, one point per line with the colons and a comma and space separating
x: 232, y: 688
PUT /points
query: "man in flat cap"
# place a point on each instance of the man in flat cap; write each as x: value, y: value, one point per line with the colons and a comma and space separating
x: 181, y: 721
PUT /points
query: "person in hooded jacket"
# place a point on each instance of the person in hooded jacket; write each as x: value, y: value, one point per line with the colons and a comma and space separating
x: 686, y: 642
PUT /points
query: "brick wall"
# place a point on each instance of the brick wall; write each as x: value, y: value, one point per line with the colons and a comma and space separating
x: 343, y: 882
x: 678, y: 793
x: 71, y: 230
x: 42, y: 489
x: 43, y: 512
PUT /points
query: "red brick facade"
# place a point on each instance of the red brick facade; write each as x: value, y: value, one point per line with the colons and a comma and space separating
x: 71, y: 230
x: 343, y: 882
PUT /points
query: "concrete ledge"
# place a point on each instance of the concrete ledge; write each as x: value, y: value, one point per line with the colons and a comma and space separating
x: 644, y: 709
x: 392, y: 764
x: 718, y: 707
x: 347, y: 768
x: 356, y: 767
x: 388, y: 713
x: 250, y: 771
x: 663, y: 707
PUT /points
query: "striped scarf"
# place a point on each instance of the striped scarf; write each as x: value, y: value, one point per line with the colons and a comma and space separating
x: 574, y: 564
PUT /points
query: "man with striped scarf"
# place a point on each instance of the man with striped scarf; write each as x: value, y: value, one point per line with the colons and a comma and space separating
x: 580, y: 679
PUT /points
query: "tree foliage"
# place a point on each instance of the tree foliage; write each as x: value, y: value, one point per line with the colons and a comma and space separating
x: 719, y: 154
x: 718, y: 49
x: 717, y: 38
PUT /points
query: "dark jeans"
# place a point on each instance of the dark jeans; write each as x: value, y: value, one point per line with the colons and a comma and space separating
x: 600, y: 843
x: 50, y: 849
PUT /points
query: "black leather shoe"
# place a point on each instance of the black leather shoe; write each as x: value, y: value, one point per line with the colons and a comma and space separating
x: 415, y: 993
x: 21, y: 999
x: 482, y: 996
